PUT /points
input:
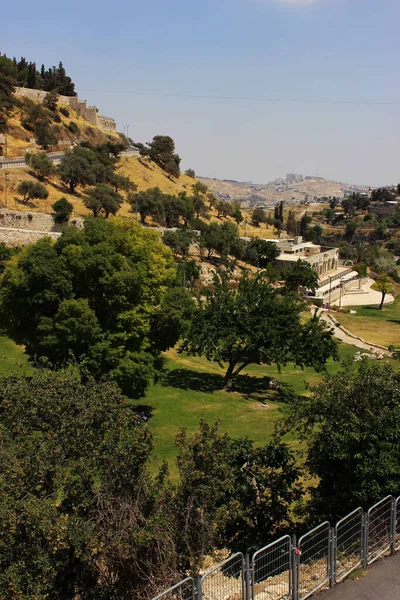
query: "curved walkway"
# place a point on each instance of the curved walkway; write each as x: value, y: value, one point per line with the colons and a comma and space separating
x: 348, y: 338
x: 381, y: 581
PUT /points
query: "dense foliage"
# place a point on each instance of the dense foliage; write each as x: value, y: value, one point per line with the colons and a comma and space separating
x: 96, y: 296
x: 351, y: 427
x: 255, y: 323
x: 80, y: 515
x: 53, y: 78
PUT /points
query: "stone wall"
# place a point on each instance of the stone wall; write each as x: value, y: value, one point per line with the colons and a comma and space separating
x: 90, y: 113
x: 41, y: 222
x: 21, y: 237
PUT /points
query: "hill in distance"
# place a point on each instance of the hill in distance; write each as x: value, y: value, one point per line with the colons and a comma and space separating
x: 305, y: 190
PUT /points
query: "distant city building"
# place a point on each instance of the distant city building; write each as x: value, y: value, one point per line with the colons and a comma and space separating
x: 294, y: 178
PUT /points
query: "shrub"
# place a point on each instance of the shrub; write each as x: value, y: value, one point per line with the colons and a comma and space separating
x: 73, y: 128
x: 63, y: 210
x: 64, y: 111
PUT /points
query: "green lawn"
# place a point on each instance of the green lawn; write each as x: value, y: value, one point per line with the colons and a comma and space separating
x: 374, y: 325
x: 12, y: 358
x: 192, y: 391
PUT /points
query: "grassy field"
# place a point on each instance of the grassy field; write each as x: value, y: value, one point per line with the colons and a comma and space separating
x: 374, y: 325
x: 12, y: 359
x: 192, y: 390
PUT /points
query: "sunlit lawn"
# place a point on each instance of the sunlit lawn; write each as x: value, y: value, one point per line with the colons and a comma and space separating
x: 192, y: 391
x: 374, y: 325
x: 12, y: 359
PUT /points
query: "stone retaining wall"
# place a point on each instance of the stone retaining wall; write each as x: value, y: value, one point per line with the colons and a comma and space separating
x: 11, y: 219
x: 21, y: 237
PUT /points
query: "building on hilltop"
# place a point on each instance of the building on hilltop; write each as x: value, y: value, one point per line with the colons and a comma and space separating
x: 90, y: 113
x: 294, y: 178
x: 333, y: 279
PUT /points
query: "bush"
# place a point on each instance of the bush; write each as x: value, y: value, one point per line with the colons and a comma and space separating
x: 64, y: 111
x: 63, y: 210
x: 73, y: 128
x: 56, y: 118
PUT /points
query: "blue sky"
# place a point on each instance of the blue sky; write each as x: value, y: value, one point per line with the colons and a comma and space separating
x: 119, y: 53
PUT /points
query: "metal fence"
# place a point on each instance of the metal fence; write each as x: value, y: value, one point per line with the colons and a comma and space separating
x: 288, y: 569
x: 379, y: 529
x: 348, y: 544
x: 185, y: 590
x: 271, y: 572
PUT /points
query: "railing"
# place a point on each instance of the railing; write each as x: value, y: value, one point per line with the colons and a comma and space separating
x: 288, y: 569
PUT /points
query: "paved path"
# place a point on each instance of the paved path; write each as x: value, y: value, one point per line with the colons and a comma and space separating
x: 369, y: 298
x: 381, y: 582
x: 353, y: 341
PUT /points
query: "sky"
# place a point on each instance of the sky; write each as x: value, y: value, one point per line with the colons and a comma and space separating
x: 248, y: 89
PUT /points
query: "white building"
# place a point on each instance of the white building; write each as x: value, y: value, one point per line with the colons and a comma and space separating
x: 333, y: 279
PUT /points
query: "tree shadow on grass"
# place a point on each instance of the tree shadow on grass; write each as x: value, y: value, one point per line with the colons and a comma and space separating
x: 186, y: 379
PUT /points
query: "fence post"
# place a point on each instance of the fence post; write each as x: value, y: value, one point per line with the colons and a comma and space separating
x: 294, y: 569
x: 199, y: 591
x: 393, y: 527
x: 247, y: 576
x: 332, y: 557
x: 365, y: 540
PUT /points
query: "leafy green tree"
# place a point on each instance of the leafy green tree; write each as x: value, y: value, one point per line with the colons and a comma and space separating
x: 249, y: 324
x: 219, y: 238
x: 147, y: 203
x: 179, y: 241
x: 199, y: 205
x: 278, y: 212
x: 72, y: 518
x: 300, y: 275
x: 8, y: 79
x: 304, y: 224
x: 51, y: 100
x: 161, y: 150
x: 190, y: 173
x: 382, y: 195
x: 91, y: 297
x: 351, y: 228
x: 63, y: 210
x: 81, y: 166
x: 292, y: 226
x: 187, y: 273
x: 187, y: 207
x: 235, y: 501
x: 350, y: 427
x: 223, y: 209
x: 30, y: 190
x: 45, y: 136
x: 349, y: 207
x: 41, y: 164
x: 103, y: 198
x: 314, y: 234
x: 385, y: 286
x: 199, y: 188
x: 236, y: 213
x: 260, y: 253
x: 174, y: 207
x: 120, y: 182
x: 6, y: 253
x: 258, y: 216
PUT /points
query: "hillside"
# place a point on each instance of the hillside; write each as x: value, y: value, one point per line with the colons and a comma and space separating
x: 21, y: 139
x: 271, y: 193
x: 143, y: 172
